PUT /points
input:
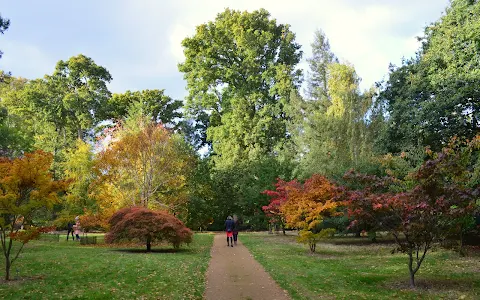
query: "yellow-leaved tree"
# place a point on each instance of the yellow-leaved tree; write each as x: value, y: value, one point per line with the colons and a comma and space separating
x: 26, y: 185
x: 146, y: 166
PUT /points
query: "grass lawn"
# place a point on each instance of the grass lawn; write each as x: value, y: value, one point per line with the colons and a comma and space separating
x: 343, y: 271
x: 67, y: 270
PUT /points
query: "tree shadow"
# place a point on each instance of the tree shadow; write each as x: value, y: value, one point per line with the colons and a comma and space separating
x: 161, y: 250
x: 434, y: 284
x: 20, y: 280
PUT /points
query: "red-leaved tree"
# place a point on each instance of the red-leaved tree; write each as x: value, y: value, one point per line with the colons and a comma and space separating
x: 278, y: 198
x: 148, y: 226
x: 425, y: 211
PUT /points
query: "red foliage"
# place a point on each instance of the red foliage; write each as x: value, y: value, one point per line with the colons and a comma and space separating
x: 148, y: 226
x: 278, y: 198
x: 30, y: 233
x: 423, y: 214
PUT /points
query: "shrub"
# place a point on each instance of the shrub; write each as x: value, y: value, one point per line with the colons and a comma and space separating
x: 148, y: 226
x: 310, y: 238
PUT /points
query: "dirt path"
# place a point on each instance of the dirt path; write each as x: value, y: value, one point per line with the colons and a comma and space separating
x: 234, y: 274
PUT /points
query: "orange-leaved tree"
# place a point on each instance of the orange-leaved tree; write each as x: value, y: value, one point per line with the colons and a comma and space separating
x: 26, y: 185
x: 308, y: 205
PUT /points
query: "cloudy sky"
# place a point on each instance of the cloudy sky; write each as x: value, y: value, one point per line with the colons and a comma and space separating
x: 138, y: 41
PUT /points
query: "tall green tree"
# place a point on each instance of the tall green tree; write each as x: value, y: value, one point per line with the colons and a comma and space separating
x: 434, y: 96
x: 322, y: 57
x: 16, y: 120
x: 333, y: 132
x: 240, y: 70
x: 160, y: 107
x: 82, y: 86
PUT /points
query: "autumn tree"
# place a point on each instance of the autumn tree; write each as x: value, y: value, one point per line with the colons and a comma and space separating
x: 308, y: 205
x: 144, y: 166
x: 423, y: 211
x: 148, y: 226
x: 278, y: 197
x: 26, y: 186
x: 240, y: 70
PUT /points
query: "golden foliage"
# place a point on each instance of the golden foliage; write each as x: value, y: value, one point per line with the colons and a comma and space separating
x: 308, y: 205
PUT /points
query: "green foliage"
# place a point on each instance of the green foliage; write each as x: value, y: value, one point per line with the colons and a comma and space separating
x: 82, y: 88
x: 201, y: 206
x: 319, y: 62
x: 237, y: 190
x: 160, y: 107
x: 332, y: 134
x: 79, y: 168
x: 433, y: 97
x: 240, y: 70
x: 16, y: 120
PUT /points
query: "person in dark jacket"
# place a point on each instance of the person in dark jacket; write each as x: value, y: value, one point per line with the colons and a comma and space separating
x: 229, y: 224
x: 70, y: 230
x: 236, y: 228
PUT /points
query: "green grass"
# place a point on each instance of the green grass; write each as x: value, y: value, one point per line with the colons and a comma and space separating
x: 343, y: 271
x: 67, y: 270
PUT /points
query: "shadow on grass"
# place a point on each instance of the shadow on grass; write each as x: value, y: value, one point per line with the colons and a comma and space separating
x: 136, y: 250
x: 431, y: 284
x: 20, y: 280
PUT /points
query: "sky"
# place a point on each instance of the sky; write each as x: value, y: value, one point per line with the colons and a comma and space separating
x: 139, y: 41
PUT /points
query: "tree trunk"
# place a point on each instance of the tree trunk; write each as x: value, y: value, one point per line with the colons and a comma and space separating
x: 461, y: 249
x: 149, y: 244
x: 80, y: 133
x: 410, y: 269
x: 7, y: 268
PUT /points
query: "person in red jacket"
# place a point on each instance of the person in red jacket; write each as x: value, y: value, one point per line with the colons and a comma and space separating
x: 229, y: 225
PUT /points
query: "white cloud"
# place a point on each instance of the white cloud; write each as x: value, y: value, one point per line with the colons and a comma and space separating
x: 146, y: 35
x: 369, y: 34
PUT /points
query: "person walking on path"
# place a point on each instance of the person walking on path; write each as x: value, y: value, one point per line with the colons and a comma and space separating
x: 77, y: 227
x: 70, y: 230
x: 236, y: 227
x: 229, y: 224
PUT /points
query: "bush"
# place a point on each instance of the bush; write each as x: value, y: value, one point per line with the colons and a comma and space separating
x: 148, y: 226
x: 310, y: 238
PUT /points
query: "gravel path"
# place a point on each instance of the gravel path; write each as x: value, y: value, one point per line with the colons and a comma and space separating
x: 234, y: 274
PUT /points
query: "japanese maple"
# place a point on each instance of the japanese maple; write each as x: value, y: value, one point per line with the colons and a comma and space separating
x: 278, y: 198
x: 420, y: 215
x: 148, y: 226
